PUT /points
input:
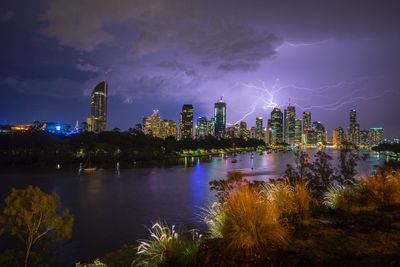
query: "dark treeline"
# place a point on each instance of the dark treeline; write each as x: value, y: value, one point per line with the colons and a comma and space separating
x: 42, y: 148
x: 388, y: 147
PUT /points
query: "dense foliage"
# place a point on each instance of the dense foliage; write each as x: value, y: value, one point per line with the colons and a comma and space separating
x: 30, y: 215
x: 39, y: 147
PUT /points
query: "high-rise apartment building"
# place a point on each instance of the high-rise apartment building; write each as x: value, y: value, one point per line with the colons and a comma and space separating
x: 253, y: 132
x: 202, y: 128
x: 168, y: 129
x: 375, y: 136
x: 219, y: 119
x: 297, y: 132
x: 152, y: 125
x: 353, y: 131
x: 289, y: 131
x: 306, y: 121
x: 97, y: 122
x: 259, y: 128
x: 186, y: 122
x: 338, y: 137
x: 277, y: 125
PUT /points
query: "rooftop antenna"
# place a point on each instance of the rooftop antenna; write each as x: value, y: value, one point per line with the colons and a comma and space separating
x: 289, y: 101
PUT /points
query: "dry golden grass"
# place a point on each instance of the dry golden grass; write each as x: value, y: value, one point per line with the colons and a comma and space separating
x: 252, y: 223
x: 292, y: 199
x: 381, y: 190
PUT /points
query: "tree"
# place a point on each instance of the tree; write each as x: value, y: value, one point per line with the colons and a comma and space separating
x: 301, y: 170
x: 322, y: 174
x: 348, y: 161
x: 31, y: 214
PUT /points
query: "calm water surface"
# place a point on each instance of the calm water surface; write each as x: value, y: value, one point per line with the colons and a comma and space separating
x: 112, y: 208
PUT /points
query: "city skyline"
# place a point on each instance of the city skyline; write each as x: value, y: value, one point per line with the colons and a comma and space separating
x: 269, y: 53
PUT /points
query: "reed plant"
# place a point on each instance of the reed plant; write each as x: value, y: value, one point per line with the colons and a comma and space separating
x: 166, y: 247
x: 251, y: 223
x: 291, y: 198
x: 382, y: 189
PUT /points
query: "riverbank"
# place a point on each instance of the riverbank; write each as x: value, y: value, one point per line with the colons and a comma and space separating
x: 329, y: 239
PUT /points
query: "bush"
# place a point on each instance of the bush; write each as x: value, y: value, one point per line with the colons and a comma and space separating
x: 166, y: 247
x: 251, y: 223
x: 214, y: 218
x: 291, y: 198
x: 382, y: 189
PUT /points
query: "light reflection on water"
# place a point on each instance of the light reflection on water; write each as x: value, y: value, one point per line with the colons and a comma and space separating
x: 112, y: 209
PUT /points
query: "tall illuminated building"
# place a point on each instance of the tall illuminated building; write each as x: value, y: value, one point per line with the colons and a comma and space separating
x: 168, y: 129
x: 375, y: 136
x: 297, y: 132
x: 210, y: 127
x: 152, y: 125
x: 277, y: 126
x: 186, y: 122
x: 353, y: 131
x: 306, y: 121
x: 259, y: 128
x: 219, y: 119
x: 244, y: 133
x: 338, y: 137
x: 289, y: 125
x: 202, y: 128
x: 320, y: 133
x: 97, y: 122
x: 353, y: 117
x: 253, y: 132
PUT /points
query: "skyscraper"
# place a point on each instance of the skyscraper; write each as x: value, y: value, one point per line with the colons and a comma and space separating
x: 375, y: 136
x: 186, y: 122
x: 259, y: 128
x: 152, y: 125
x: 277, y: 125
x: 319, y: 129
x: 306, y: 121
x: 353, y: 131
x: 97, y: 122
x: 338, y: 137
x: 290, y: 118
x: 168, y: 128
x: 220, y: 118
x: 353, y: 117
x: 202, y: 128
x: 297, y: 132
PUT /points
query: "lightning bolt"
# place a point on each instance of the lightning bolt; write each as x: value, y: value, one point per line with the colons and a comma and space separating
x: 347, y: 89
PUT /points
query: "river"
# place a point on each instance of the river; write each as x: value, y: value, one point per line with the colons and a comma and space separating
x: 111, y: 208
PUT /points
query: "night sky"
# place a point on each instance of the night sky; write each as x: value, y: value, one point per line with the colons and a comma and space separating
x: 327, y: 56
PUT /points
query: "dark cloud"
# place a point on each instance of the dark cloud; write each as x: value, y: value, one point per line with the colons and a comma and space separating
x: 174, y: 65
x: 194, y: 51
x: 238, y: 66
x: 7, y: 16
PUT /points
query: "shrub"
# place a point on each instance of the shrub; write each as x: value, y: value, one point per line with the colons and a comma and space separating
x: 251, y: 223
x: 291, y: 198
x: 166, y: 247
x: 214, y: 218
x: 382, y: 189
x: 334, y: 197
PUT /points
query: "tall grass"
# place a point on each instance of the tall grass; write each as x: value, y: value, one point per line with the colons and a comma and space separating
x: 378, y: 191
x: 165, y: 246
x: 382, y: 189
x: 251, y: 223
x: 214, y: 218
x: 291, y: 198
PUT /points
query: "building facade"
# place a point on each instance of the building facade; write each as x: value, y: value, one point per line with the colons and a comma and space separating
x: 97, y: 122
x: 277, y: 126
x: 186, y: 122
x: 219, y: 119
